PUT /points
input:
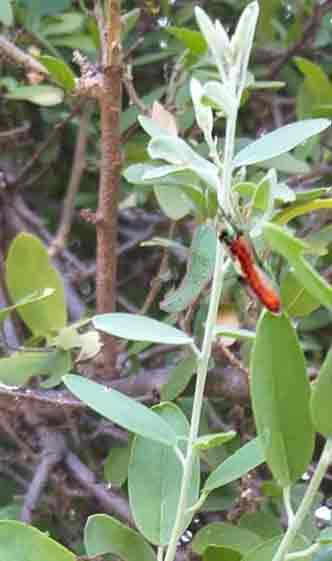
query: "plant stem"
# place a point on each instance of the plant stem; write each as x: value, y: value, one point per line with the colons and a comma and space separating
x: 288, y: 504
x: 160, y: 554
x: 224, y: 195
x: 198, y: 400
x: 304, y: 552
x: 295, y: 525
x: 111, y: 162
x: 203, y: 362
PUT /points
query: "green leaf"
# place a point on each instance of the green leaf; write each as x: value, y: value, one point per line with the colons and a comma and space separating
x: 154, y: 479
x: 217, y: 40
x: 17, y: 369
x: 140, y: 328
x: 263, y: 523
x: 316, y: 81
x: 279, y: 141
x: 265, y: 26
x: 173, y: 202
x: 178, y: 378
x: 225, y: 535
x: 104, y: 534
x: 35, y: 297
x: 321, y: 398
x: 235, y: 466
x: 129, y: 117
x: 325, y: 536
x: 177, y: 152
x: 116, y: 465
x: 20, y: 542
x: 199, y: 271
x: 267, y: 550
x: 128, y: 21
x: 58, y: 364
x: 62, y: 24
x: 217, y: 96
x: 121, y: 409
x: 43, y: 95
x: 193, y: 40
x: 292, y: 248
x: 46, y: 7
x: 152, y: 128
x: 239, y: 334
x: 224, y: 553
x: 6, y: 12
x: 213, y: 440
x: 296, y: 300
x: 280, y: 394
x: 60, y: 71
x: 28, y: 254
x: 81, y: 41
x: 286, y: 163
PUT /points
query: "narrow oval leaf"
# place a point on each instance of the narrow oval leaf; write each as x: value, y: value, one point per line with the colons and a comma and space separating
x: 173, y: 201
x: 325, y: 536
x: 27, y: 254
x: 225, y: 535
x: 20, y: 542
x: 178, y: 378
x: 177, y: 152
x: 235, y: 466
x: 17, y: 369
x: 193, y: 40
x: 239, y: 334
x: 154, y: 479
x: 6, y: 12
x: 140, y: 328
x: 224, y: 553
x: 103, y: 534
x: 267, y: 550
x: 280, y: 394
x: 121, y: 409
x: 296, y: 300
x: 44, y: 95
x: 60, y: 71
x: 199, y: 270
x: 321, y: 398
x: 292, y: 248
x: 116, y: 464
x: 213, y: 440
x: 280, y: 141
x: 34, y: 297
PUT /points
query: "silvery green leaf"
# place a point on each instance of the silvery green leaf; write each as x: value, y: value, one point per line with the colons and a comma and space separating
x: 203, y: 113
x: 151, y: 127
x: 241, y: 44
x: 156, y: 172
x: 217, y: 40
x: 218, y: 94
x: 263, y: 201
x: 177, y: 152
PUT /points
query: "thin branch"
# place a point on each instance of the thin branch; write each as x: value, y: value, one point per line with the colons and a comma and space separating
x: 44, y: 145
x: 157, y: 283
x: 100, y: 19
x: 111, y: 502
x: 52, y: 454
x: 77, y: 171
x: 20, y: 57
x: 111, y: 161
x: 133, y: 95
